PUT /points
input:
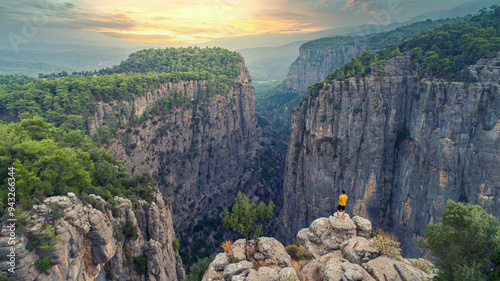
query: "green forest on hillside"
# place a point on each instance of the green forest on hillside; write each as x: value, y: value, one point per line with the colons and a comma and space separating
x: 44, y: 121
x: 445, y: 51
x: 52, y: 161
x: 69, y: 101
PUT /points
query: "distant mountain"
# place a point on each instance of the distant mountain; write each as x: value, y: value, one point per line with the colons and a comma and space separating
x: 265, y: 67
x: 466, y: 8
x: 270, y: 63
x: 55, y: 50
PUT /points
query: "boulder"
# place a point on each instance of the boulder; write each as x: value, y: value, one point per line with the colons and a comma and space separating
x: 273, y: 252
x: 363, y: 226
x: 263, y: 274
x: 382, y: 268
x: 236, y: 269
x: 342, y: 228
x: 238, y: 249
x: 359, y: 250
x: 326, y: 234
x: 220, y: 261
x: 409, y: 272
x: 338, y: 269
x: 312, y: 270
x: 288, y: 274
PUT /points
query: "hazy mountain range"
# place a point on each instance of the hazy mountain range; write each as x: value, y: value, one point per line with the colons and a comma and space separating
x: 268, y: 56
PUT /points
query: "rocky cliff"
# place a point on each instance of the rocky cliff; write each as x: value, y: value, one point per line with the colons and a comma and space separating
x: 401, y: 145
x: 314, y: 64
x: 86, y: 243
x: 339, y: 249
x: 319, y: 57
x: 201, y: 153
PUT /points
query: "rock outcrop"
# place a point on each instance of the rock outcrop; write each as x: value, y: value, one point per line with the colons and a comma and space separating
x: 85, y: 243
x: 401, y: 145
x: 350, y: 257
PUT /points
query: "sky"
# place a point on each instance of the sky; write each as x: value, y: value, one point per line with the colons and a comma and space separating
x: 195, y: 21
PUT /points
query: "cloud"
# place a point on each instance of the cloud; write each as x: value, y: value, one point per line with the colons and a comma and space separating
x: 322, y: 3
x: 173, y: 21
x: 367, y: 6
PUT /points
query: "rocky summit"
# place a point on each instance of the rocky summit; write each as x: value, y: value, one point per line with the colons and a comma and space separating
x: 342, y: 249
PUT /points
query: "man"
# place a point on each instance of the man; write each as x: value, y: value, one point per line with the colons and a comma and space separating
x: 342, y: 203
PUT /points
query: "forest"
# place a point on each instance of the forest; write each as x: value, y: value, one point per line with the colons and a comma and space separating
x: 54, y: 161
x: 69, y: 100
x: 43, y: 121
x: 445, y: 51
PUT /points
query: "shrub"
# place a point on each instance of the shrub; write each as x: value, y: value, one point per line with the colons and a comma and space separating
x: 227, y: 246
x: 3, y: 277
x: 298, y: 253
x: 141, y: 264
x: 198, y: 269
x: 130, y: 230
x: 44, y: 264
x: 176, y: 244
x: 387, y: 243
x: 55, y: 212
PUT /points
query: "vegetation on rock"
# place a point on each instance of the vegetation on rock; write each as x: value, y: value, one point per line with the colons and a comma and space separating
x: 198, y: 269
x: 298, y: 253
x: 44, y: 264
x: 141, y: 264
x: 387, y: 244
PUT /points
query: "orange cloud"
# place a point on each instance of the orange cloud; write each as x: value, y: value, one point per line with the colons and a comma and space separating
x: 160, y: 21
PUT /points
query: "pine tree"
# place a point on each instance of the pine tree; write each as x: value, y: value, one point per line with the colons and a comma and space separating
x: 244, y: 217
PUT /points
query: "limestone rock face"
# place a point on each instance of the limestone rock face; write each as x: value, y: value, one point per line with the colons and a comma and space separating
x: 400, y: 145
x: 84, y: 243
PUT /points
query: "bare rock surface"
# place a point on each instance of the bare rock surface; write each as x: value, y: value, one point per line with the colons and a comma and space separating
x: 84, y: 243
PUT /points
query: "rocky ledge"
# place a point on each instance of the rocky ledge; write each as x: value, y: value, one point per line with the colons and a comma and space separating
x: 342, y: 250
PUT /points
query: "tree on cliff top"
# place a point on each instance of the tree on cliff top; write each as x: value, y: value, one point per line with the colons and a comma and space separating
x: 466, y: 246
x: 244, y: 217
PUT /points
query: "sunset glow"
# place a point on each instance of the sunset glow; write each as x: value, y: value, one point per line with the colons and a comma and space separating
x: 157, y: 21
x: 196, y: 21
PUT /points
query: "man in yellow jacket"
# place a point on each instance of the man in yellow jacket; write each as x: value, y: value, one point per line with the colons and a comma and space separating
x: 342, y: 203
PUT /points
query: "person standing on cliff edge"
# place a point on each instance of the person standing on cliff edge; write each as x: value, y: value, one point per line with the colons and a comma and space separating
x: 342, y: 203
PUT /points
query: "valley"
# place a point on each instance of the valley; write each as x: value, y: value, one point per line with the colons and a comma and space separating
x: 123, y: 172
